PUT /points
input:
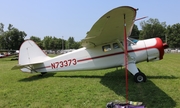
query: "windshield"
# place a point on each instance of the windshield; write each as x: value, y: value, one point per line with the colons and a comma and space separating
x: 133, y: 40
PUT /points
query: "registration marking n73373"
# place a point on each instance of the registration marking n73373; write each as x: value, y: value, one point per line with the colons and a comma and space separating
x: 63, y: 63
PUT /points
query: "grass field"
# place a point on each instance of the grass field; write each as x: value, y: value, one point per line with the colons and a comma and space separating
x: 91, y: 89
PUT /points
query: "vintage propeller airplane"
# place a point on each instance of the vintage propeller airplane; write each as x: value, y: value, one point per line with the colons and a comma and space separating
x: 103, y: 48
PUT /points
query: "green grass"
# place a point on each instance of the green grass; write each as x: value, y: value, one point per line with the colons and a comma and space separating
x: 91, y: 89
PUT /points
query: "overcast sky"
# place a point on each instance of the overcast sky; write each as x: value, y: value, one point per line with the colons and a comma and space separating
x: 75, y: 17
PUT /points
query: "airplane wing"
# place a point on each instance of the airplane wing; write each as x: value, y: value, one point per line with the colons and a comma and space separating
x: 110, y: 27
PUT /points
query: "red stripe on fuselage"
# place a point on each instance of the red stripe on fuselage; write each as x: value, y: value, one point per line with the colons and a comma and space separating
x: 113, y: 54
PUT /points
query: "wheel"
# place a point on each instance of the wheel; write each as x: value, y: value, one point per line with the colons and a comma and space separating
x: 140, y: 77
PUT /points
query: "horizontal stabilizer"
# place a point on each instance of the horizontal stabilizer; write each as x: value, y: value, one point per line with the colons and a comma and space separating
x: 18, y: 66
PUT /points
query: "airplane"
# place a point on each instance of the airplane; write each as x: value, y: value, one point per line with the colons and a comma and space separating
x: 103, y: 48
x: 7, y: 53
x: 10, y: 51
x: 4, y: 54
x: 1, y: 55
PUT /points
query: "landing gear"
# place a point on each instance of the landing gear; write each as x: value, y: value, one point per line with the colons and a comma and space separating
x: 140, y: 77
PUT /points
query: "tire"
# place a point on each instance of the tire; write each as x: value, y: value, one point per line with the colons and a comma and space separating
x: 139, y: 77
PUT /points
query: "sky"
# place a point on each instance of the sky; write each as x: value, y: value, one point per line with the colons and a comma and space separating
x: 73, y: 18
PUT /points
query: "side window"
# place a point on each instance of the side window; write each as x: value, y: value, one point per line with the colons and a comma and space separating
x: 115, y: 45
x: 106, y: 48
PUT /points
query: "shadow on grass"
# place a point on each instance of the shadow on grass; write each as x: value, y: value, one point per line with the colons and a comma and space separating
x: 37, y: 77
x: 81, y: 76
x: 162, y: 77
x: 148, y: 93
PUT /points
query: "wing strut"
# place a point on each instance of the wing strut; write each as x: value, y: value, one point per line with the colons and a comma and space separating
x: 125, y: 57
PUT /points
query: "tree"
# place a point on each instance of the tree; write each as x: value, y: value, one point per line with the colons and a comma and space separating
x: 12, y: 38
x: 1, y: 28
x: 135, y: 32
x: 2, y: 42
x: 10, y: 27
x: 55, y: 43
x: 173, y: 35
x: 76, y: 45
x: 38, y: 41
x: 71, y: 42
x: 1, y: 32
x: 152, y: 28
x: 46, y: 42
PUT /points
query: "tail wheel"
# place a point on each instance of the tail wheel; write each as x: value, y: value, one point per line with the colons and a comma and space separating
x: 140, y: 77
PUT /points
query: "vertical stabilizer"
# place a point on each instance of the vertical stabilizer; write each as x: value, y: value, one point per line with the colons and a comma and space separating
x: 30, y: 53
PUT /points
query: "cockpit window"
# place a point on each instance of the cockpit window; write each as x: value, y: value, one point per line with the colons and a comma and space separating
x: 106, y: 48
x: 133, y: 40
x: 115, y: 45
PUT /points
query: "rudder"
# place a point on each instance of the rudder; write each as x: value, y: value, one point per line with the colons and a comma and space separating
x: 30, y: 53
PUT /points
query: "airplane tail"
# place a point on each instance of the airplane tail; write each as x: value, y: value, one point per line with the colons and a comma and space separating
x: 30, y: 53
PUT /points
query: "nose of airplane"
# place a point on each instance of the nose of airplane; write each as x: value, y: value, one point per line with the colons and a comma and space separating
x: 161, y: 46
x: 154, y: 44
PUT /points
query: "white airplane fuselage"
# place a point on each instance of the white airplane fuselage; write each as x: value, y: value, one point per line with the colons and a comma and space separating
x: 95, y: 58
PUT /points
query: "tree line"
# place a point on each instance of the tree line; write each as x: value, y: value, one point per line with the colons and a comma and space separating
x: 54, y: 43
x: 154, y: 28
x: 12, y: 38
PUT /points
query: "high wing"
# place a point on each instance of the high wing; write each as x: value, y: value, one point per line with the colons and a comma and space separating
x: 110, y: 27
